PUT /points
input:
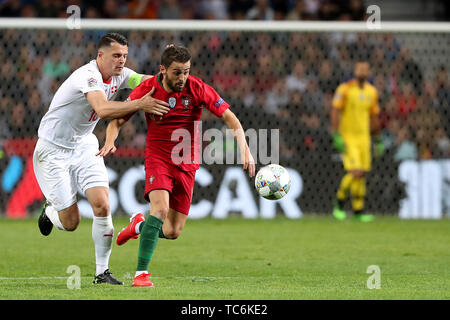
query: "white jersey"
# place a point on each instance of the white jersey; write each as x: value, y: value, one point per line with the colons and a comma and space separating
x: 70, y: 117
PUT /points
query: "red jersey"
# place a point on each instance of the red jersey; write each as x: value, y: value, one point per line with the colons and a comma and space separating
x: 186, y: 110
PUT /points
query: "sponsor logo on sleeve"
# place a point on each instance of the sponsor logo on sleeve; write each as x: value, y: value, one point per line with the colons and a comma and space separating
x: 92, y: 82
x: 219, y: 102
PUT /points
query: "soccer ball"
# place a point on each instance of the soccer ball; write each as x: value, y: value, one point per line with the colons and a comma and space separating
x: 273, y: 182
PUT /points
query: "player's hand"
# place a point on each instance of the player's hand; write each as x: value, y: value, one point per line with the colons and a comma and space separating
x: 338, y: 142
x: 153, y: 106
x: 106, y: 150
x: 378, y: 147
x: 249, y: 163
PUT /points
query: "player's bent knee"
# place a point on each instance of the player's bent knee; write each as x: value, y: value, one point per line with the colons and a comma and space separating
x: 101, y: 209
x: 172, y: 234
x: 71, y: 224
x: 161, y: 212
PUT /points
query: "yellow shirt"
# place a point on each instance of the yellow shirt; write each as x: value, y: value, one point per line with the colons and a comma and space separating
x: 356, y: 105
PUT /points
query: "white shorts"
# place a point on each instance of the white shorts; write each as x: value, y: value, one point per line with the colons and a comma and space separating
x: 61, y: 171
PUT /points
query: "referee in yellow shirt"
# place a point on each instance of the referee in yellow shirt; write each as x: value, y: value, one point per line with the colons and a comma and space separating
x: 354, y: 116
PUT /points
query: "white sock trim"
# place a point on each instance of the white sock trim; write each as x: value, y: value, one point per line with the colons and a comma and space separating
x: 138, y: 273
x: 136, y: 229
x: 53, y: 215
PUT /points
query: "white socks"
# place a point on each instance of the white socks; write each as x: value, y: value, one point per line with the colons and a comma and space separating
x: 102, y: 234
x: 53, y: 215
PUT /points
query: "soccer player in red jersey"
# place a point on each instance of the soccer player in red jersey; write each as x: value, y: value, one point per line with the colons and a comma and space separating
x: 169, y: 173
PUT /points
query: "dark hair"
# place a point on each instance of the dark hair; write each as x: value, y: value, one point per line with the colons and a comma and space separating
x: 175, y: 53
x: 111, y: 37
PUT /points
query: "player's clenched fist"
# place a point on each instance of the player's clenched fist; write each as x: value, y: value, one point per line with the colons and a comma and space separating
x: 153, y: 106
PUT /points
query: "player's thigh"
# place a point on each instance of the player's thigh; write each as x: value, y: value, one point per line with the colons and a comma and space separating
x: 353, y: 156
x: 366, y: 156
x: 174, y: 224
x: 181, y: 196
x: 98, y: 197
x: 89, y: 169
x: 53, y: 173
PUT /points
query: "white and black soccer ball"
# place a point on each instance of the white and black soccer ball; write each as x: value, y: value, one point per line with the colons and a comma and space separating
x: 273, y: 182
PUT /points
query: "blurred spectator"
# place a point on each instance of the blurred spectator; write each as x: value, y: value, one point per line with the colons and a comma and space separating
x: 17, y: 124
x: 356, y: 10
x: 388, y: 112
x: 35, y: 111
x: 42, y: 43
x: 442, y: 143
x: 48, y: 8
x: 280, y: 8
x: 10, y: 8
x: 328, y: 10
x: 298, y: 12
x: 142, y: 9
x: 169, y: 9
x: 411, y: 71
x: 28, y: 11
x: 129, y: 137
x: 328, y: 77
x: 239, y: 8
x: 279, y: 61
x: 441, y: 102
x: 5, y: 109
x: 225, y: 75
x: 312, y: 8
x: 264, y: 75
x: 296, y: 80
x: 214, y: 9
x: 260, y: 11
x: 54, y: 66
x: 405, y: 147
x: 276, y: 97
x: 114, y: 9
x: 139, y: 47
x: 406, y: 99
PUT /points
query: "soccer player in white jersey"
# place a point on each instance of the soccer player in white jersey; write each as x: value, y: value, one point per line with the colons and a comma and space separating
x: 65, y: 157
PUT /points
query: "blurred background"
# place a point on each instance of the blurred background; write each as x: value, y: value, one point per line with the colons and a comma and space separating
x: 272, y: 80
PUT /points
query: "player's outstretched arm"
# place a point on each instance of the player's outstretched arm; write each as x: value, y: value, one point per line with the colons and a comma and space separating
x: 234, y: 124
x: 112, y: 132
x: 117, y: 109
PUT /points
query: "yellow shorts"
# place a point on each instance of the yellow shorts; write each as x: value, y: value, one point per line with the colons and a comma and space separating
x: 357, y: 155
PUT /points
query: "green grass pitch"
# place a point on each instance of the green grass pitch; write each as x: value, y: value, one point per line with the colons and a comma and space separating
x: 310, y: 258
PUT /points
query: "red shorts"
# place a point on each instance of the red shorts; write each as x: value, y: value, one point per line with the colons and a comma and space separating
x: 166, y: 176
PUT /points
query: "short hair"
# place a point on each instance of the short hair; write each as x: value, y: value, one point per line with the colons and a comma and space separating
x: 174, y: 53
x: 111, y: 37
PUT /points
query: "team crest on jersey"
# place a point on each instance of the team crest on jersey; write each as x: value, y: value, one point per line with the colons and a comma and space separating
x: 172, y: 102
x: 151, y: 179
x: 186, y: 102
x: 92, y: 82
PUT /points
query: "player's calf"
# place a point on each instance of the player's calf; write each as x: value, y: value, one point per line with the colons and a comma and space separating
x: 70, y: 218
